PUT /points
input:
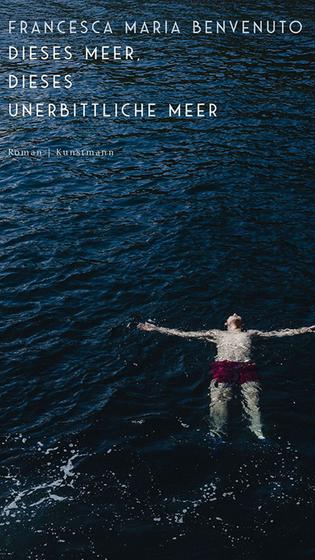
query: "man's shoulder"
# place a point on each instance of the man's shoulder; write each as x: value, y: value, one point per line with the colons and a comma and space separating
x: 251, y: 332
x: 213, y: 333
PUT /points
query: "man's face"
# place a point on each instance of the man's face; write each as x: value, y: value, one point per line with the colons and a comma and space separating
x: 234, y: 322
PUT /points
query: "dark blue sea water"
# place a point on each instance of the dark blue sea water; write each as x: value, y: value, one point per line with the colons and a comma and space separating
x: 103, y: 448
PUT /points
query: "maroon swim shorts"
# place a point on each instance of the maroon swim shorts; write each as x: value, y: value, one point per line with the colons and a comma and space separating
x: 234, y: 372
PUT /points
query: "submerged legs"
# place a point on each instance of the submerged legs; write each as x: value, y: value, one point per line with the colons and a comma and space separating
x: 221, y: 394
x: 250, y: 401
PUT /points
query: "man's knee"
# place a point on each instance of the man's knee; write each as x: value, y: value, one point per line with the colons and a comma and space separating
x: 251, y: 391
x: 220, y: 392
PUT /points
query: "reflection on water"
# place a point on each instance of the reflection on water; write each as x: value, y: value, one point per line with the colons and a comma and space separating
x: 104, y: 429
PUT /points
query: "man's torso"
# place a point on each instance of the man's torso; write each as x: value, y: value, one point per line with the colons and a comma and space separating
x: 232, y: 346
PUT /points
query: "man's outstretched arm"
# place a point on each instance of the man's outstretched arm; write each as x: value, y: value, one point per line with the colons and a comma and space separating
x: 176, y: 332
x: 284, y: 332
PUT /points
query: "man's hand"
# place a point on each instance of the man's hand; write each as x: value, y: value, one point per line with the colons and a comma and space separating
x: 312, y: 328
x: 146, y: 326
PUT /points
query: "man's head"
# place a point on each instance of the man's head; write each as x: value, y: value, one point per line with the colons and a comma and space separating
x: 234, y: 322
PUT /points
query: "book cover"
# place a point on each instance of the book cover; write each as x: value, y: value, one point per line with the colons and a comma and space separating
x: 157, y: 280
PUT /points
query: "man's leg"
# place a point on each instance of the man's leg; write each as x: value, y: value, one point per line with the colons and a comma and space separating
x: 220, y: 394
x: 250, y: 393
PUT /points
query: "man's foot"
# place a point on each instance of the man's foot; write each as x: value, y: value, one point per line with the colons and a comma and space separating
x: 216, y: 437
x: 258, y: 434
